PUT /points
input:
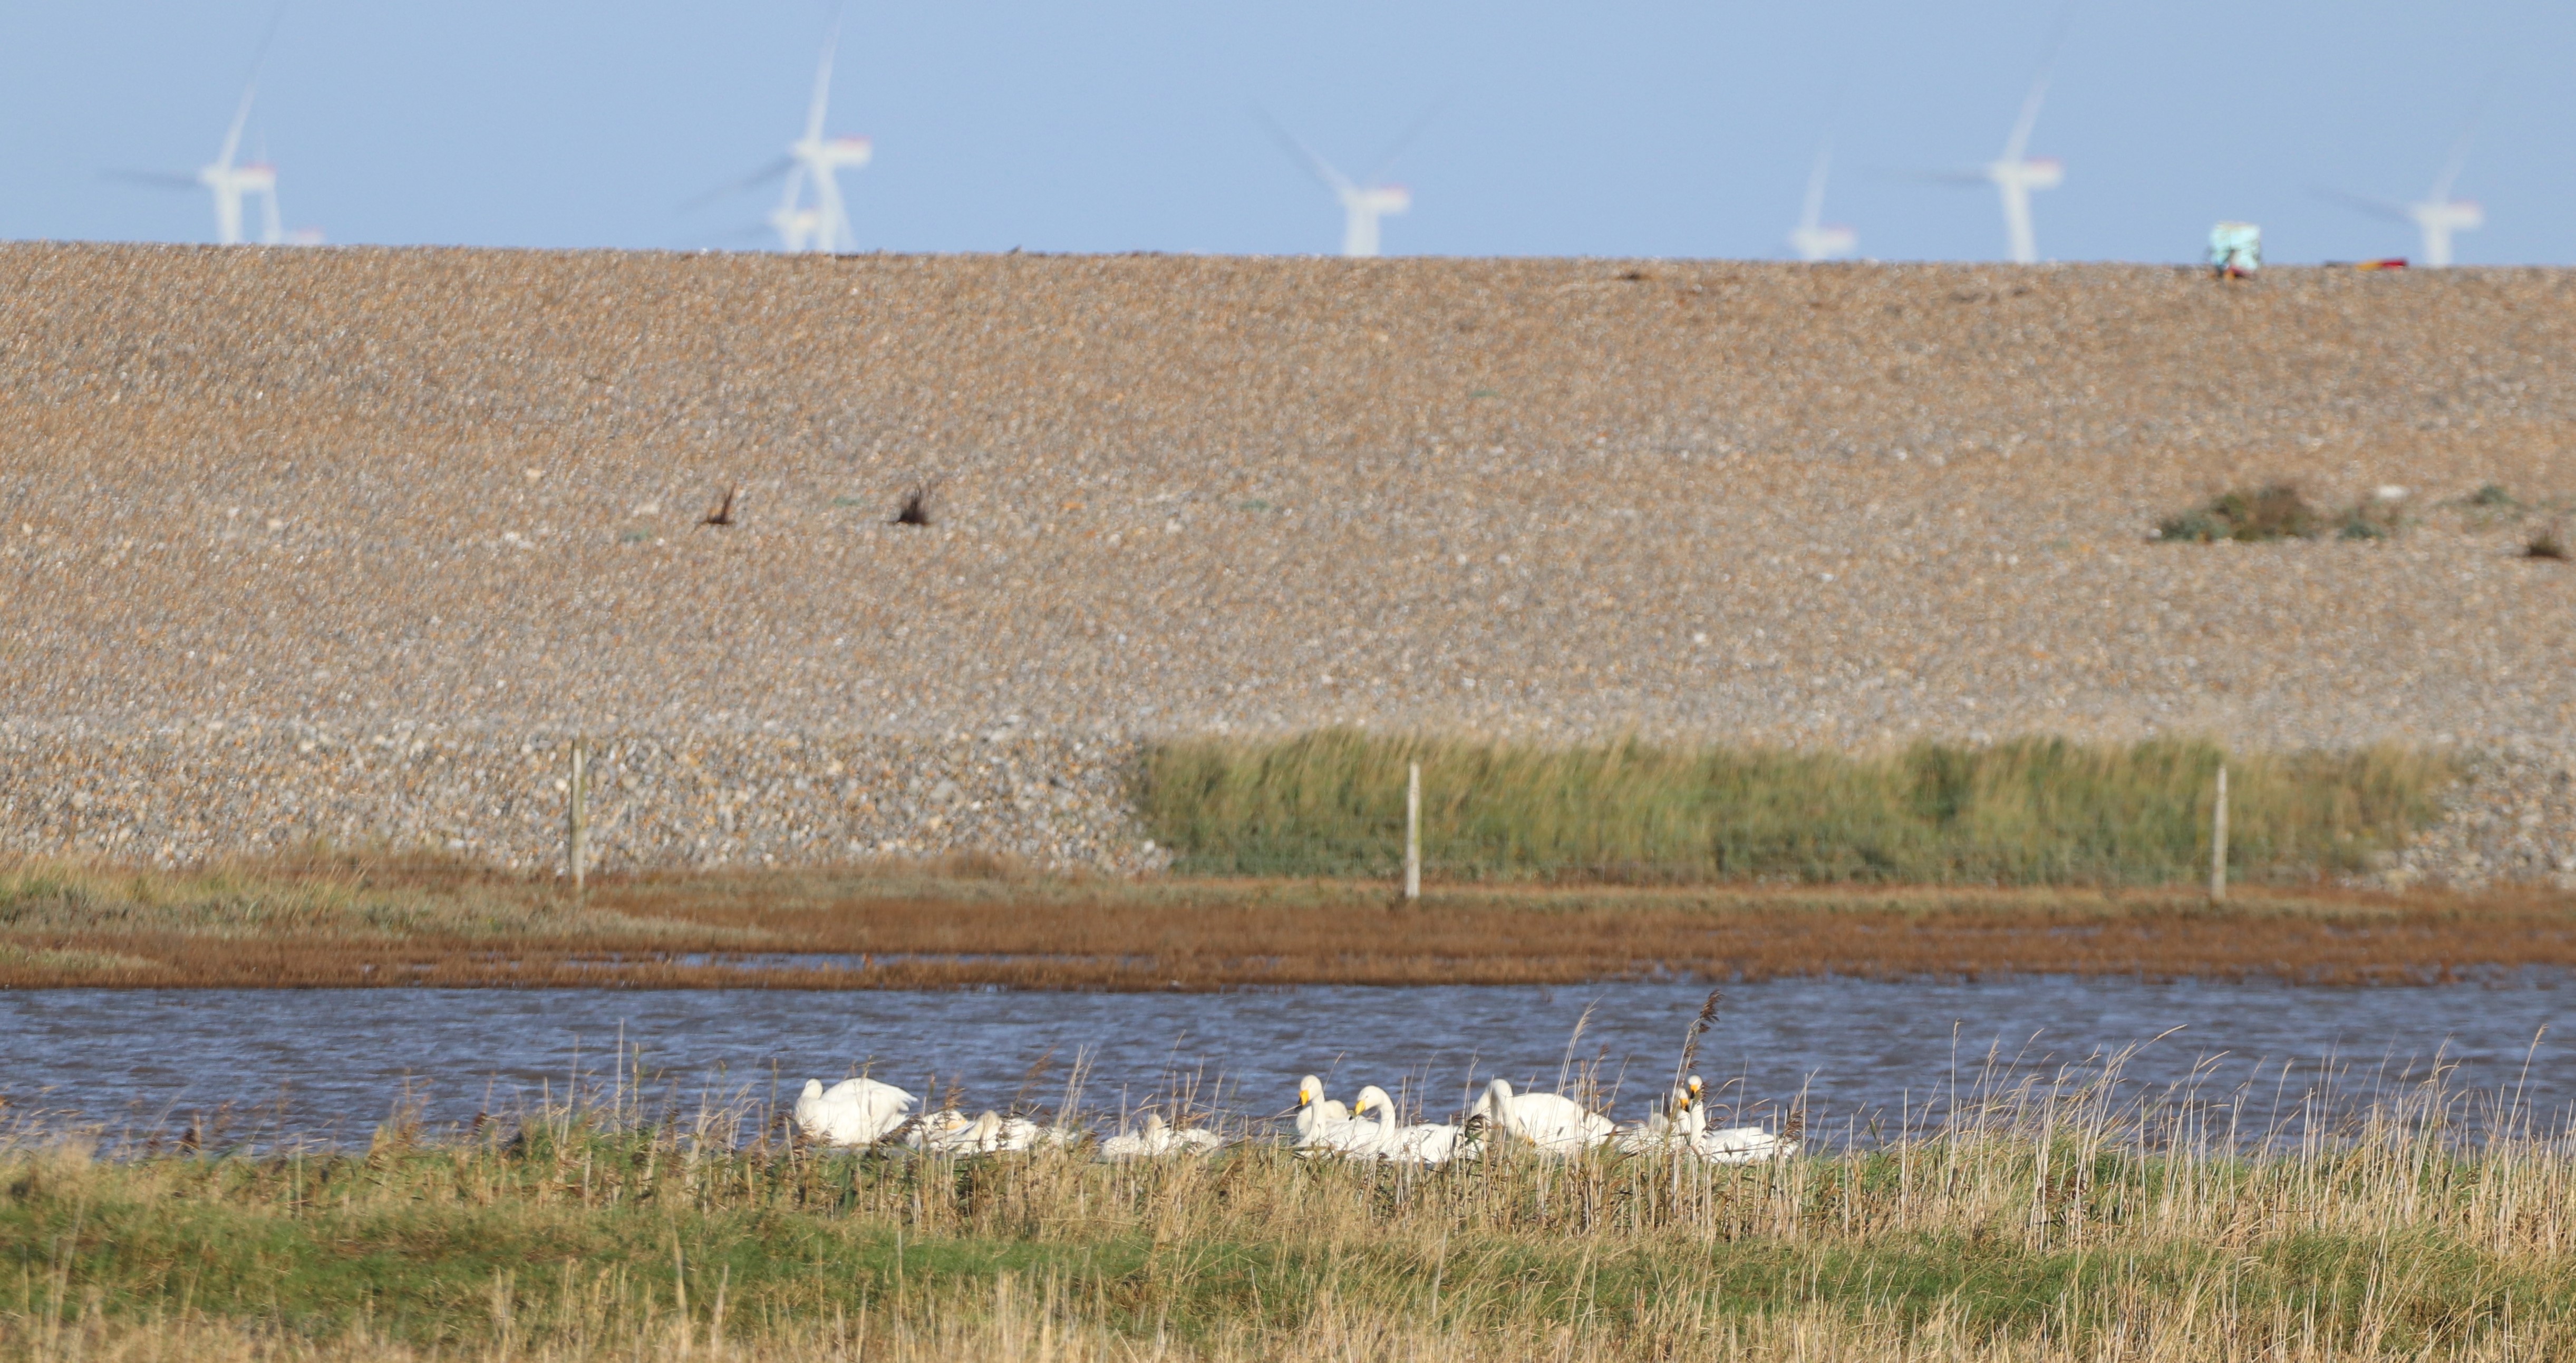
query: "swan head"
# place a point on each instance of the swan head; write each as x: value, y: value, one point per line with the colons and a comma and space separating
x: 1153, y: 1123
x: 988, y: 1126
x: 1370, y: 1098
x: 813, y: 1088
x: 1310, y: 1091
x: 1692, y: 1087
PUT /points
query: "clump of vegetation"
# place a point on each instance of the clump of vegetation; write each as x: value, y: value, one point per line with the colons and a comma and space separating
x: 2038, y: 1221
x: 2545, y: 543
x: 2275, y: 511
x: 2032, y: 811
x: 2373, y: 519
x: 915, y: 509
x: 2493, y: 497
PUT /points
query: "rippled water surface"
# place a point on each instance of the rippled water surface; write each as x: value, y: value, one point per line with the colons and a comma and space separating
x: 333, y: 1063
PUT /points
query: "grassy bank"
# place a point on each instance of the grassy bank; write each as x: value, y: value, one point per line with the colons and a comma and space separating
x: 2029, y: 812
x: 2039, y: 1226
x: 367, y: 922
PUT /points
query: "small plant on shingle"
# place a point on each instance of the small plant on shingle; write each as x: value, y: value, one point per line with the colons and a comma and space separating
x: 2493, y: 497
x: 915, y: 509
x: 2370, y: 520
x: 2546, y: 544
x: 2274, y: 511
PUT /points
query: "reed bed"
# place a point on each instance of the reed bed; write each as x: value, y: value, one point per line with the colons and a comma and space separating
x: 2049, y: 1218
x: 324, y: 922
x: 2027, y: 812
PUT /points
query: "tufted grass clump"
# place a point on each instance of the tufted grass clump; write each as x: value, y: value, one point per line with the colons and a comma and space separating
x: 2026, y: 812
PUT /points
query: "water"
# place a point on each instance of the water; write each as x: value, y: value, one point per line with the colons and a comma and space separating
x: 332, y: 1063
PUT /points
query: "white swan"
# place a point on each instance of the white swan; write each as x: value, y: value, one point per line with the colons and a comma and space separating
x: 982, y: 1136
x: 851, y: 1112
x: 1155, y: 1139
x: 1317, y: 1115
x: 1550, y: 1121
x: 1325, y: 1126
x: 1734, y: 1144
x: 1426, y: 1143
x: 1668, y: 1127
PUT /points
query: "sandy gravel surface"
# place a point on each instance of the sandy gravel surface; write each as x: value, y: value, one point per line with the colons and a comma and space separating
x: 1846, y: 505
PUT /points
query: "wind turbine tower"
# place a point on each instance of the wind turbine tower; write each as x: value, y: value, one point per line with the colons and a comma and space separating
x: 815, y: 161
x: 231, y: 180
x: 1815, y: 238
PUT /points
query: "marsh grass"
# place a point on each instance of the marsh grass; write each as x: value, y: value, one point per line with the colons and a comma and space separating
x: 2031, y: 811
x: 2059, y: 1217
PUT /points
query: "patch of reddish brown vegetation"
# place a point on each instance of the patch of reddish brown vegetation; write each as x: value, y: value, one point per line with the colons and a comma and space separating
x: 732, y: 931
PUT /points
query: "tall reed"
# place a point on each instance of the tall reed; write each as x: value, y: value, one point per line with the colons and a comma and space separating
x: 2030, y: 811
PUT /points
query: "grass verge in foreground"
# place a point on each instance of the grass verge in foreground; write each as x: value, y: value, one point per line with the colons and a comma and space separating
x: 2038, y: 1225
x: 390, y: 922
x: 2028, y: 812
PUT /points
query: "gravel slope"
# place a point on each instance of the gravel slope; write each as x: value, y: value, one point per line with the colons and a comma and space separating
x: 459, y: 490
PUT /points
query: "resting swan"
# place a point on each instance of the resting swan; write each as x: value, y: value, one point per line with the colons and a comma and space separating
x: 1666, y: 1128
x: 851, y: 1112
x: 1426, y: 1143
x: 1550, y: 1121
x: 949, y: 1133
x: 1735, y: 1144
x: 1155, y: 1139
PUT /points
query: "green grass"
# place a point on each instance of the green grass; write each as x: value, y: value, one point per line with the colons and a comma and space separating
x: 2065, y: 1221
x: 2031, y: 811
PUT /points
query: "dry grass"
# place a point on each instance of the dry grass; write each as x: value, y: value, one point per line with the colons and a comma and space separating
x: 351, y: 922
x: 2056, y: 1221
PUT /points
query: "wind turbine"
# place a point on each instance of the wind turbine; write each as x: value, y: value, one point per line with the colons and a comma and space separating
x: 2015, y: 175
x: 813, y: 162
x: 1363, y: 205
x: 2437, y: 215
x: 1816, y: 239
x: 231, y: 180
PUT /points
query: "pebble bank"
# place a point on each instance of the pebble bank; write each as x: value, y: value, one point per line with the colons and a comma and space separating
x: 434, y: 511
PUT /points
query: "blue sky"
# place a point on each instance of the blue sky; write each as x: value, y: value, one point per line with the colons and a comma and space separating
x: 1624, y: 128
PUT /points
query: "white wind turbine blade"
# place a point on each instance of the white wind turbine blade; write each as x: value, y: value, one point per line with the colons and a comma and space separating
x: 250, y: 88
x: 2468, y: 133
x: 2019, y: 142
x: 1814, y: 215
x: 822, y: 88
x: 2377, y: 208
x: 756, y: 179
x: 2451, y: 168
x: 1412, y: 131
x: 1323, y: 170
x: 233, y: 134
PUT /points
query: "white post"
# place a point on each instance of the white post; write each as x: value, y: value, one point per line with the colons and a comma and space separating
x: 2218, y: 840
x: 578, y: 829
x: 1413, y: 832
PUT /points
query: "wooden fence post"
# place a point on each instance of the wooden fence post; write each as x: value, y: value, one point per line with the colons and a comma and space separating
x: 577, y: 830
x: 2218, y: 841
x: 1413, y: 832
